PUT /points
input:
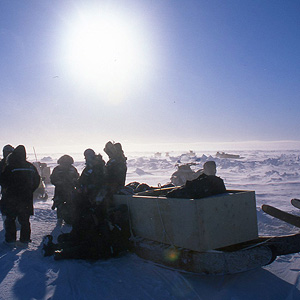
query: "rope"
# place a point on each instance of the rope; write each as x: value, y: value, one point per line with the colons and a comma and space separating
x: 163, y: 225
x: 132, y: 237
x: 258, y: 244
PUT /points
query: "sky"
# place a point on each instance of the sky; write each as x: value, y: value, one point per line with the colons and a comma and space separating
x: 75, y: 74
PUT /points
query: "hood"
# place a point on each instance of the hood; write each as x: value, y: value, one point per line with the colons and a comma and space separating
x: 20, y: 153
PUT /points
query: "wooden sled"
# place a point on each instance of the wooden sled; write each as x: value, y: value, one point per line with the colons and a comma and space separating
x: 214, y: 235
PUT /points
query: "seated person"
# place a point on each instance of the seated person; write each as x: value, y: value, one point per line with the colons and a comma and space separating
x: 93, y: 238
x: 205, y: 185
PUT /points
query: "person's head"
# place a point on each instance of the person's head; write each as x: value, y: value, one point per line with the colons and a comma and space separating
x: 89, y: 155
x: 210, y: 168
x: 7, y: 149
x: 65, y: 160
x: 19, y: 154
x: 119, y: 151
x: 109, y: 149
x: 118, y: 147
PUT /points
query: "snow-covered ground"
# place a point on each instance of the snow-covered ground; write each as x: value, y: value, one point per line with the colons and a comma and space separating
x: 273, y: 175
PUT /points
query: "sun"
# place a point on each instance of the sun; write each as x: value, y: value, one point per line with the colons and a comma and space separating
x: 105, y: 52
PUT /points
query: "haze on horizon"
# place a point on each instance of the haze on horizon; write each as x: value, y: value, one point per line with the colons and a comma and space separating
x: 76, y: 74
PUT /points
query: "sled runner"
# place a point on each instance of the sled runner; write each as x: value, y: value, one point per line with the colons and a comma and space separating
x: 228, y: 260
x: 296, y: 202
x: 282, y: 215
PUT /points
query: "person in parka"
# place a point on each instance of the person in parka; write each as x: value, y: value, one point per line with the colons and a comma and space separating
x: 91, y: 180
x: 93, y: 240
x: 205, y: 185
x: 89, y: 237
x: 7, y: 150
x: 19, y: 180
x: 64, y: 177
x: 89, y: 187
x: 116, y: 167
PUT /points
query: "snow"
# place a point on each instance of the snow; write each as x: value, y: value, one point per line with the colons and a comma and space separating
x: 273, y: 175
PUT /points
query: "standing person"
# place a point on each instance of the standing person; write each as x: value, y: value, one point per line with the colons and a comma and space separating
x: 7, y: 149
x: 91, y: 180
x: 64, y: 177
x: 19, y: 180
x: 89, y: 187
x: 116, y: 168
x: 89, y: 237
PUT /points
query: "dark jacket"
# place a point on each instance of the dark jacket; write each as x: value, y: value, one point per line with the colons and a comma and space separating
x: 115, y: 173
x: 2, y: 165
x: 64, y: 178
x: 202, y: 186
x: 19, y: 180
x: 91, y: 180
x: 116, y: 168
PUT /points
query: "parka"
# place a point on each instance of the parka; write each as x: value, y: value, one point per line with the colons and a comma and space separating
x: 19, y: 180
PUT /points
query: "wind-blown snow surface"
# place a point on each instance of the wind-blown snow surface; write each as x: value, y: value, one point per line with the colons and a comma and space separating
x: 275, y: 176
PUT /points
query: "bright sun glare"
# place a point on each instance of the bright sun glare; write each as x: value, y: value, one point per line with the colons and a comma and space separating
x: 105, y: 53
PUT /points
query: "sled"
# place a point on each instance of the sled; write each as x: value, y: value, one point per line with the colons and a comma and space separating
x: 227, y: 155
x: 228, y: 260
x: 282, y: 215
x: 296, y: 203
x: 213, y: 235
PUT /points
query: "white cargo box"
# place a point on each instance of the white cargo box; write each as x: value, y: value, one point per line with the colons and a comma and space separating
x: 196, y: 224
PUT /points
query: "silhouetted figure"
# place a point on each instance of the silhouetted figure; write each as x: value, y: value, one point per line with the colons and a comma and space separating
x: 64, y: 177
x: 205, y: 185
x: 19, y: 180
x: 89, y: 228
x: 116, y: 168
x: 7, y: 150
x: 91, y: 180
x: 94, y: 240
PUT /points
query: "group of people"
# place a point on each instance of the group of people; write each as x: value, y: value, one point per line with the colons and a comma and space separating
x: 84, y: 201
x: 99, y: 229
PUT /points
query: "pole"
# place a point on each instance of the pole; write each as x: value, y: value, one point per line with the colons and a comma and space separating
x: 35, y: 154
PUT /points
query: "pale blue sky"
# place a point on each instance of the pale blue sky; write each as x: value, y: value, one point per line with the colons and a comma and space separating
x: 179, y: 72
